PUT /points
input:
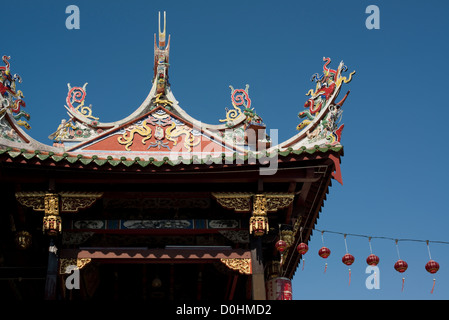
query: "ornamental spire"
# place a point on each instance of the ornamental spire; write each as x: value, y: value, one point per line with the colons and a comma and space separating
x: 161, y: 54
x: 162, y: 34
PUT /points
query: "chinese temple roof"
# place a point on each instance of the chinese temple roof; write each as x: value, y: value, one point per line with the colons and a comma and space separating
x: 159, y: 132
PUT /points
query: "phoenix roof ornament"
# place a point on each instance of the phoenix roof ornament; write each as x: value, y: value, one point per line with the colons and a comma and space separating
x: 11, y: 99
x: 323, y: 115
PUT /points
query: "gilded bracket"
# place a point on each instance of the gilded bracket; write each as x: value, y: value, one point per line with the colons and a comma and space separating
x: 241, y: 201
x: 74, y: 201
x: 54, y: 203
x: 261, y: 204
x: 242, y: 265
x: 70, y: 201
x: 66, y: 265
x: 276, y: 201
x: 238, y: 201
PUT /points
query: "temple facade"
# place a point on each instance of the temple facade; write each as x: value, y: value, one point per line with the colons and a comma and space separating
x: 159, y: 205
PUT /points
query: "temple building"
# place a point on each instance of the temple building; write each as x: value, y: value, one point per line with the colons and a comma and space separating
x: 159, y: 205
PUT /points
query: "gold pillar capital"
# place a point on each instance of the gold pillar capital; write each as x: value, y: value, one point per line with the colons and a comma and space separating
x: 51, y: 204
x: 262, y: 203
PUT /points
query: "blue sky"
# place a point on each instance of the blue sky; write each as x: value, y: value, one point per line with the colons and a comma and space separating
x: 394, y: 138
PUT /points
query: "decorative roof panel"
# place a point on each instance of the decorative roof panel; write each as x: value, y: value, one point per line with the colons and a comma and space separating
x: 160, y: 132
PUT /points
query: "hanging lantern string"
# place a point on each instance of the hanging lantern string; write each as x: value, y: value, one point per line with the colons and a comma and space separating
x: 428, y: 249
x: 378, y: 237
x: 370, y: 248
x: 430, y: 258
x: 399, y: 257
x: 300, y: 238
x: 346, y: 245
x: 397, y: 248
x: 322, y: 240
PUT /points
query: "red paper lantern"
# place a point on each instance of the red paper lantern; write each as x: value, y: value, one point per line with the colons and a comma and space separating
x: 432, y: 266
x: 324, y: 252
x: 302, y: 248
x: 348, y: 259
x: 372, y: 260
x: 281, y: 245
x: 401, y: 266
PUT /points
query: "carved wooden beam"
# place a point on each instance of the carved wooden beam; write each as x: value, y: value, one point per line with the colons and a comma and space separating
x: 241, y: 201
x: 276, y: 201
x: 242, y: 265
x: 54, y: 203
x: 69, y: 201
x: 67, y: 264
x: 74, y: 201
x: 262, y: 203
x: 238, y: 201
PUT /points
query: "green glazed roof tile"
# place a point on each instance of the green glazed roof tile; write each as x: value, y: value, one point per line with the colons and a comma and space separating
x: 72, y: 159
x: 114, y: 162
x: 14, y: 154
x: 207, y: 159
x: 43, y: 156
x: 28, y: 156
x: 128, y: 163
x: 142, y: 163
x: 100, y: 162
x: 86, y: 161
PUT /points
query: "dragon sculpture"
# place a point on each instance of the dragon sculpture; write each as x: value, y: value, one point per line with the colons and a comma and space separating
x: 142, y: 129
x: 12, y: 99
x: 158, y: 120
x: 327, y: 88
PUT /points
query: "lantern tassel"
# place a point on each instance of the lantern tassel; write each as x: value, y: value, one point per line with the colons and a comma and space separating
x: 349, y: 277
x: 433, y: 287
x: 325, y: 268
x: 403, y: 280
x: 303, y: 262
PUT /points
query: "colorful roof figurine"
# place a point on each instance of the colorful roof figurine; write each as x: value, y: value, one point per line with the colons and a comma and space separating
x: 13, y: 117
x: 160, y: 132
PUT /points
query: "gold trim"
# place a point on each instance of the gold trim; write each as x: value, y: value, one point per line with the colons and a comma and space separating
x: 261, y: 204
x: 242, y: 265
x: 240, y: 202
x: 34, y: 200
x: 276, y: 201
x: 49, y: 202
x: 64, y: 263
x: 73, y: 201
